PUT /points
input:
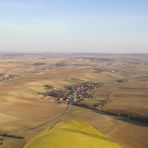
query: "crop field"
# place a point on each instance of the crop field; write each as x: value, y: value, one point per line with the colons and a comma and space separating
x: 85, y: 136
x: 118, y: 107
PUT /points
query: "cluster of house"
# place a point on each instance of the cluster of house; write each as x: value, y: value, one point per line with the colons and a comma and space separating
x: 7, y: 76
x: 106, y: 70
x: 74, y: 93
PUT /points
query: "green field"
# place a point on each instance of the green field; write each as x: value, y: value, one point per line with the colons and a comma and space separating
x: 11, y: 142
x: 71, y: 134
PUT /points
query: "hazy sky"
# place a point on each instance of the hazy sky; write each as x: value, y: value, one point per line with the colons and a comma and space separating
x: 74, y: 25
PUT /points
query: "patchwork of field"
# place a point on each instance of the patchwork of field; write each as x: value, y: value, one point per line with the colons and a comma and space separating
x: 119, y: 109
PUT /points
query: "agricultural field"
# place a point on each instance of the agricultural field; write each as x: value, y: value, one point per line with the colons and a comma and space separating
x: 85, y: 136
x: 108, y: 91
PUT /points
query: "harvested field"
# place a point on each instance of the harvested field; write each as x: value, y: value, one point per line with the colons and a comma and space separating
x: 122, y: 90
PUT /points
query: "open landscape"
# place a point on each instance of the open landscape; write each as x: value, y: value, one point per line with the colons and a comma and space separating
x: 108, y: 91
x: 73, y: 73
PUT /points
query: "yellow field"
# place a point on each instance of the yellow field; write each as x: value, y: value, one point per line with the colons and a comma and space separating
x: 71, y: 134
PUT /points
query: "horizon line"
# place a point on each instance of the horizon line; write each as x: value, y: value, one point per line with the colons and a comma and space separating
x: 64, y: 52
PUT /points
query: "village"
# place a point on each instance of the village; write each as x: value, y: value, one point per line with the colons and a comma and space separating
x: 72, y: 94
x: 7, y: 76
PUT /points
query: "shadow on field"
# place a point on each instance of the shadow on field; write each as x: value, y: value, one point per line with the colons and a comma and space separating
x: 141, y: 121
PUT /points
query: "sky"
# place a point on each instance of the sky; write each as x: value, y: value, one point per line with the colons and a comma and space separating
x: 105, y: 26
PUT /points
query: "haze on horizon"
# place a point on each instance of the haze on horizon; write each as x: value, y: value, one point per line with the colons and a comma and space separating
x: 108, y: 26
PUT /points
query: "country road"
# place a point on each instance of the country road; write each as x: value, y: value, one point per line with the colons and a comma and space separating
x: 45, y: 124
x: 23, y: 133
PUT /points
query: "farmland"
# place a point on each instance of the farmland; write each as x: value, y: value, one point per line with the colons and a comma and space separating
x: 117, y: 107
